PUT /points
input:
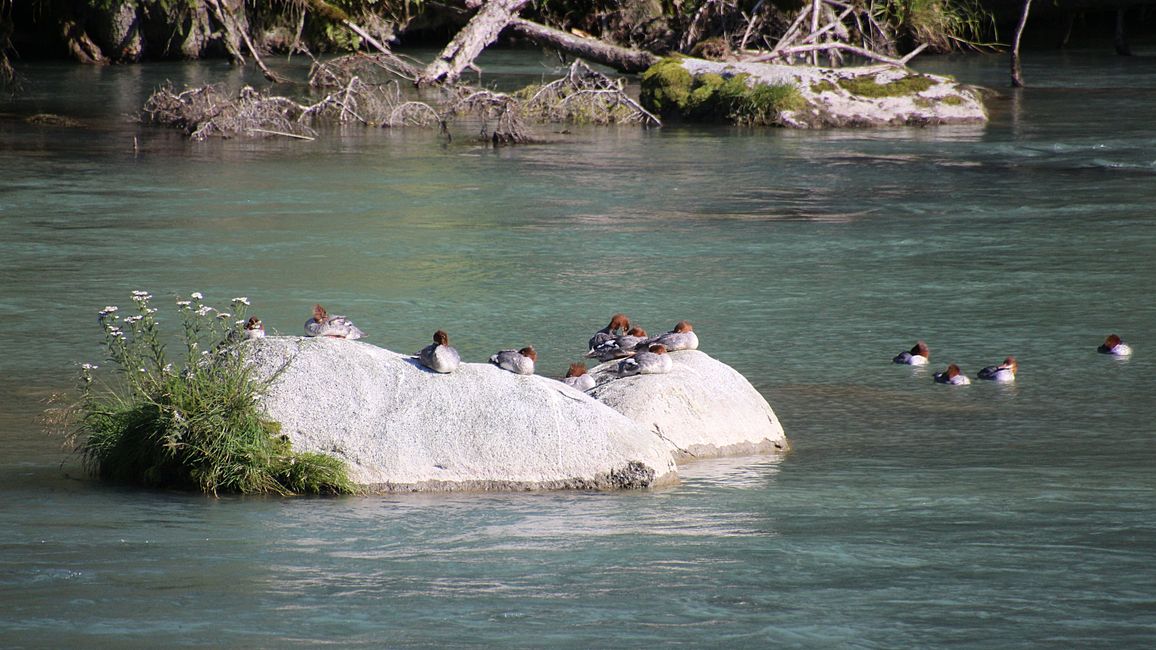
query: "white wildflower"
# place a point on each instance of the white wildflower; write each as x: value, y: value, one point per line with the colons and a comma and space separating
x: 132, y: 319
x: 243, y: 300
x: 151, y: 310
x: 238, y: 322
x: 140, y: 293
x: 142, y: 369
x: 141, y: 296
x: 197, y: 295
x: 183, y: 304
x: 167, y: 369
x: 89, y: 366
x: 204, y: 310
x: 204, y: 353
x: 109, y: 310
x: 223, y: 315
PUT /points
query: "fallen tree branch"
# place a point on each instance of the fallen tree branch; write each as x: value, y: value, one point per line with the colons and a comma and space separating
x: 460, y: 53
x: 827, y: 47
x: 620, y: 58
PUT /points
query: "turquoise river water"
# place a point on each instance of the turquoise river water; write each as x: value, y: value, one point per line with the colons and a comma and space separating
x: 909, y: 515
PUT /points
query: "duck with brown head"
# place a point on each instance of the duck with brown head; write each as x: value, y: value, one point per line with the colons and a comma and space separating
x: 519, y: 362
x: 618, y: 326
x: 619, y: 347
x: 953, y: 375
x: 332, y: 326
x: 682, y: 337
x: 1004, y: 372
x: 577, y: 377
x: 650, y: 361
x: 1114, y: 346
x: 440, y: 356
x: 918, y: 355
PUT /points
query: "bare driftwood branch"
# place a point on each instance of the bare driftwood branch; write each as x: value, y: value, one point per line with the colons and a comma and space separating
x: 482, y: 30
x: 826, y: 47
x: 620, y: 58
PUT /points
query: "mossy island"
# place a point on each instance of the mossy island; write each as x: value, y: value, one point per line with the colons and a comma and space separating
x: 765, y: 94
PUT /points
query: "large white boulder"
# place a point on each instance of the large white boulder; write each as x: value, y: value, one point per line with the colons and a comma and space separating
x: 401, y: 427
x: 702, y: 408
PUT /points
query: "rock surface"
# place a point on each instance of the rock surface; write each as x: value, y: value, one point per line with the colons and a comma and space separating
x: 830, y: 104
x: 703, y: 408
x: 401, y: 427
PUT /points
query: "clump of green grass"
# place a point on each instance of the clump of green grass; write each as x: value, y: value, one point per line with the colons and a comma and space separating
x: 668, y: 88
x: 867, y: 86
x: 193, y: 427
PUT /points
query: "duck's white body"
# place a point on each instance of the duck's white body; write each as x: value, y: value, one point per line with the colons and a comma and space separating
x: 619, y: 324
x: 581, y: 382
x: 254, y: 329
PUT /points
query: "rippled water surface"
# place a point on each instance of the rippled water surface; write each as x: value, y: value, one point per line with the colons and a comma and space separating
x: 909, y: 514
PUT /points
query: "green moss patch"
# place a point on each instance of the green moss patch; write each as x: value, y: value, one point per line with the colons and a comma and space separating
x: 669, y: 90
x: 823, y: 86
x: 868, y: 87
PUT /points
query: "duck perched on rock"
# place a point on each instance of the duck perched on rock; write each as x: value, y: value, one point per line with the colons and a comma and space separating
x: 618, y: 326
x: 918, y: 355
x: 253, y: 329
x: 519, y: 362
x: 1114, y: 346
x: 682, y: 337
x: 651, y: 361
x: 619, y: 347
x: 338, y: 327
x: 439, y: 356
x: 577, y: 377
x: 1004, y: 372
x: 953, y: 375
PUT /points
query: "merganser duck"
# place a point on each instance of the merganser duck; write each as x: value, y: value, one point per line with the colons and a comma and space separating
x: 682, y: 337
x: 952, y: 376
x: 576, y: 376
x: 338, y: 327
x: 622, y: 346
x: 254, y: 329
x: 1115, y: 346
x: 1004, y: 372
x: 440, y: 357
x: 618, y: 326
x: 919, y: 355
x: 519, y: 362
x: 652, y: 361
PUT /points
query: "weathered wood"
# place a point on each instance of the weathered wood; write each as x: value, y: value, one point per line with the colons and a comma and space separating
x: 843, y: 47
x: 1017, y: 77
x: 482, y: 30
x: 620, y: 58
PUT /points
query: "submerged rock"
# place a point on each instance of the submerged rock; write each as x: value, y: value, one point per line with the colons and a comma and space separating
x: 402, y: 427
x: 806, y: 96
x: 702, y: 408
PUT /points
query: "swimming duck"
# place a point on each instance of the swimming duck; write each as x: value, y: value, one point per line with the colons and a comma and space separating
x: 682, y: 337
x: 519, y: 362
x: 618, y: 326
x: 1115, y: 346
x: 338, y: 327
x: 652, y: 361
x: 919, y: 355
x: 622, y: 346
x: 254, y: 328
x: 576, y: 376
x: 952, y: 376
x: 1004, y: 372
x: 440, y: 357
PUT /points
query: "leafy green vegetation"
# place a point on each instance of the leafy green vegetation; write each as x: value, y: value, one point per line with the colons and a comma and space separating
x: 867, y: 86
x: 196, y: 427
x: 670, y: 90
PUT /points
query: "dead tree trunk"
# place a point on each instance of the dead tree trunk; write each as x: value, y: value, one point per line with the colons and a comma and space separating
x: 482, y: 30
x: 1017, y: 77
x: 620, y: 58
